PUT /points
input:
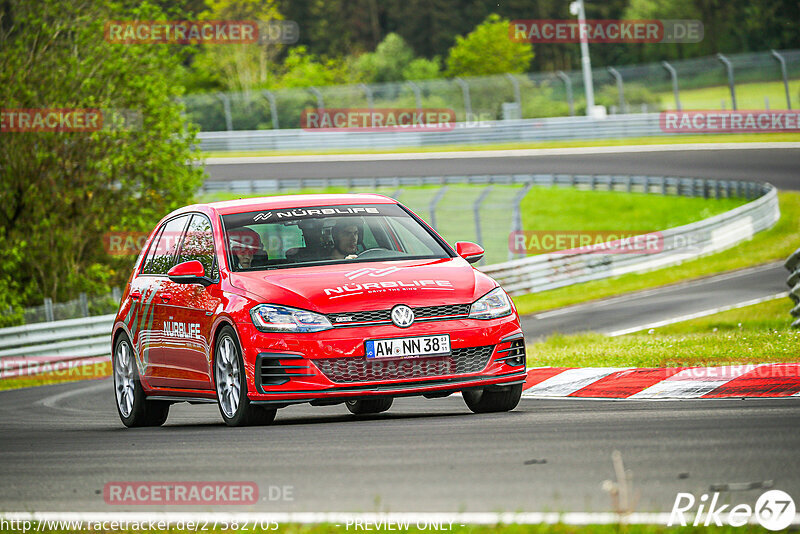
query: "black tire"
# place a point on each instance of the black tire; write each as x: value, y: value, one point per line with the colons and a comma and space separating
x: 244, y: 413
x: 369, y: 406
x: 132, y: 405
x: 493, y: 400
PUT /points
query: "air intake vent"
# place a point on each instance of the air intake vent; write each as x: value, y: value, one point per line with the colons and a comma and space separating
x: 514, y: 355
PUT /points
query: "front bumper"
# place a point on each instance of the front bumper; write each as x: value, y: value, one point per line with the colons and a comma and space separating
x: 331, y: 365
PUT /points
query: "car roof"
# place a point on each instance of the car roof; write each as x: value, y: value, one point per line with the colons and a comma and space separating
x: 296, y: 201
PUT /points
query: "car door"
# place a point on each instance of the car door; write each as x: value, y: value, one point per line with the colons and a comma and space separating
x: 159, y: 370
x: 189, y: 311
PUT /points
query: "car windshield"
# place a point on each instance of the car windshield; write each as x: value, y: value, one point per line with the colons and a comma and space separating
x: 321, y: 235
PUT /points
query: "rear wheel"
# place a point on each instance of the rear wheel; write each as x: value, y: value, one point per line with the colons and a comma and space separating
x: 502, y: 399
x: 231, y: 384
x: 132, y: 405
x: 369, y: 406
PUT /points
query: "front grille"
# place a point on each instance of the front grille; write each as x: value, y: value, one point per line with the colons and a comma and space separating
x: 375, y: 316
x: 461, y: 361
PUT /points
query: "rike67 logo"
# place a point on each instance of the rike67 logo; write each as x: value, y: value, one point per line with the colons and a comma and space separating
x: 774, y: 510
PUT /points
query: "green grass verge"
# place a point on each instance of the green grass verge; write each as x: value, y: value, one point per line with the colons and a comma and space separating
x: 293, y: 528
x: 755, y: 334
x: 628, y: 141
x: 85, y: 372
x: 748, y: 96
x: 774, y: 244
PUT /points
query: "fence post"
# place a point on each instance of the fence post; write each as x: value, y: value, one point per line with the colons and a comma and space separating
x: 320, y: 102
x: 673, y: 74
x: 84, y: 304
x: 568, y: 86
x: 476, y: 210
x: 226, y: 109
x: 273, y: 108
x: 467, y: 101
x: 517, y: 95
x: 48, y: 310
x: 434, y: 201
x: 729, y: 67
x: 620, y: 88
x: 516, y: 221
x: 368, y: 93
x: 782, y: 61
x: 417, y: 96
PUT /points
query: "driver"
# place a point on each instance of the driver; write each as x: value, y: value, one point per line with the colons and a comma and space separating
x: 244, y: 244
x: 345, y: 234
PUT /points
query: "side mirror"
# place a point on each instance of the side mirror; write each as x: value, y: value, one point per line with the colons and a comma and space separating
x: 189, y: 272
x: 469, y: 251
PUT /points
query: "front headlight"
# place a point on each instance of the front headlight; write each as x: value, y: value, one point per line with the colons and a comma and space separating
x: 274, y: 318
x: 492, y: 305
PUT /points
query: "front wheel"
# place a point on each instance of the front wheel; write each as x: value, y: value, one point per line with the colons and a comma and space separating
x: 369, y: 406
x: 133, y: 407
x: 493, y: 400
x: 231, y: 384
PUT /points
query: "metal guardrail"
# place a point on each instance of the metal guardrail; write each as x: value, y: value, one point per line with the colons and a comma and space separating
x: 793, y: 266
x: 89, y: 337
x: 550, y: 271
x: 485, y: 132
x: 58, y: 341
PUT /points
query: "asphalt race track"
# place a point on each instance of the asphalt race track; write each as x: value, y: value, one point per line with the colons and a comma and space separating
x: 648, y: 308
x: 61, y: 444
x: 776, y: 166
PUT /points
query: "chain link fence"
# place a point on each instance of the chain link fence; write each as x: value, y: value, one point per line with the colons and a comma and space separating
x: 636, y: 89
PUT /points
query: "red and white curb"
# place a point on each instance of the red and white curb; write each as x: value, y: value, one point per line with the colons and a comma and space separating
x: 754, y: 380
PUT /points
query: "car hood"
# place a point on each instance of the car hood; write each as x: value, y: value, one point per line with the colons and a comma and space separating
x: 368, y: 286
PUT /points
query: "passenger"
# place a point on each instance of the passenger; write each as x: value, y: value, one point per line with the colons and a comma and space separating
x: 346, y: 234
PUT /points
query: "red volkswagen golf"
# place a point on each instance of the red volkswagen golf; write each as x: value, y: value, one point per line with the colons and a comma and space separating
x: 261, y: 303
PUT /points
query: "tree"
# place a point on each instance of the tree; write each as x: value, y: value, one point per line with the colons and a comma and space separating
x: 60, y: 192
x: 488, y: 50
x: 393, y: 61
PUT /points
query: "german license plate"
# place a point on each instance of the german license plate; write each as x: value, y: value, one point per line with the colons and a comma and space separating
x: 406, y: 347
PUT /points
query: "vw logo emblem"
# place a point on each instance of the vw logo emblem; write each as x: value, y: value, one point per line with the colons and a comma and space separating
x: 402, y: 316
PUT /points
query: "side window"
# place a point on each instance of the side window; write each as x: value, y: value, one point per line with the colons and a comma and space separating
x: 161, y: 257
x: 151, y: 251
x: 198, y: 244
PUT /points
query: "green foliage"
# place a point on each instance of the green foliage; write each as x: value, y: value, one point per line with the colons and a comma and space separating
x: 304, y: 69
x: 393, y: 61
x: 488, y: 50
x: 61, y: 192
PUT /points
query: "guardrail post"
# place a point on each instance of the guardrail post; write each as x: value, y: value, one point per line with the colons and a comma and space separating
x: 517, y: 95
x: 434, y: 201
x: 729, y: 67
x: 516, y: 219
x: 396, y: 193
x: 476, y: 211
x: 782, y: 61
x: 467, y: 101
x: 620, y: 88
x: 48, y: 310
x: 368, y: 92
x: 568, y: 86
x: 673, y: 74
x: 226, y: 109
x: 320, y: 102
x: 417, y: 96
x: 273, y: 108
